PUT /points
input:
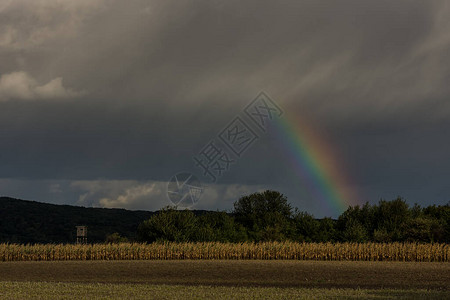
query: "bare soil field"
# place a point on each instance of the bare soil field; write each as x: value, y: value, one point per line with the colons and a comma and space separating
x: 52, y: 290
x: 258, y: 273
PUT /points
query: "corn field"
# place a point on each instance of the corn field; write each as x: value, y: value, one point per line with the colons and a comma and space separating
x: 215, y: 250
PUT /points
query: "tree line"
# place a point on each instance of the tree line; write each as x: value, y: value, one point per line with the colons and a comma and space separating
x: 268, y: 216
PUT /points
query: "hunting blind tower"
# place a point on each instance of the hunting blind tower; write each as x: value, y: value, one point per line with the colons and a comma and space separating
x: 81, y: 234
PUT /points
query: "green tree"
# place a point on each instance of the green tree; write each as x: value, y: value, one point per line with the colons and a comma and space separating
x: 327, y: 230
x: 391, y: 217
x: 169, y: 224
x: 353, y: 225
x: 219, y: 226
x: 307, y: 228
x: 266, y: 216
x: 442, y: 214
x: 355, y: 232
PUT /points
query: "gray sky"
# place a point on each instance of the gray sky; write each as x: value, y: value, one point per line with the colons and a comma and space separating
x: 101, y: 102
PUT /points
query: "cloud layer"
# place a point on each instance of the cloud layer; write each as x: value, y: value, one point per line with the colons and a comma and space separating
x: 21, y: 86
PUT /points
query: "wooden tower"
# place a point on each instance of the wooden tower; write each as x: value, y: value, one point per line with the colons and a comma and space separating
x: 81, y: 234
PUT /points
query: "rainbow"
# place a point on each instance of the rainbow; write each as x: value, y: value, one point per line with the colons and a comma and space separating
x: 315, y: 163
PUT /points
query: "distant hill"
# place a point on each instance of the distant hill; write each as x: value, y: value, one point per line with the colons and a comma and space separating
x: 34, y: 222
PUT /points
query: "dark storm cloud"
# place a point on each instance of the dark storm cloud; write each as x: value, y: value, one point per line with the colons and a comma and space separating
x: 115, y: 90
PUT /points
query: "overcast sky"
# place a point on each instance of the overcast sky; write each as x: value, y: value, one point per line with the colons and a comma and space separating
x: 101, y: 102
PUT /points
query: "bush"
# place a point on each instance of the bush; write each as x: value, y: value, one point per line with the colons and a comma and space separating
x: 115, y: 238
